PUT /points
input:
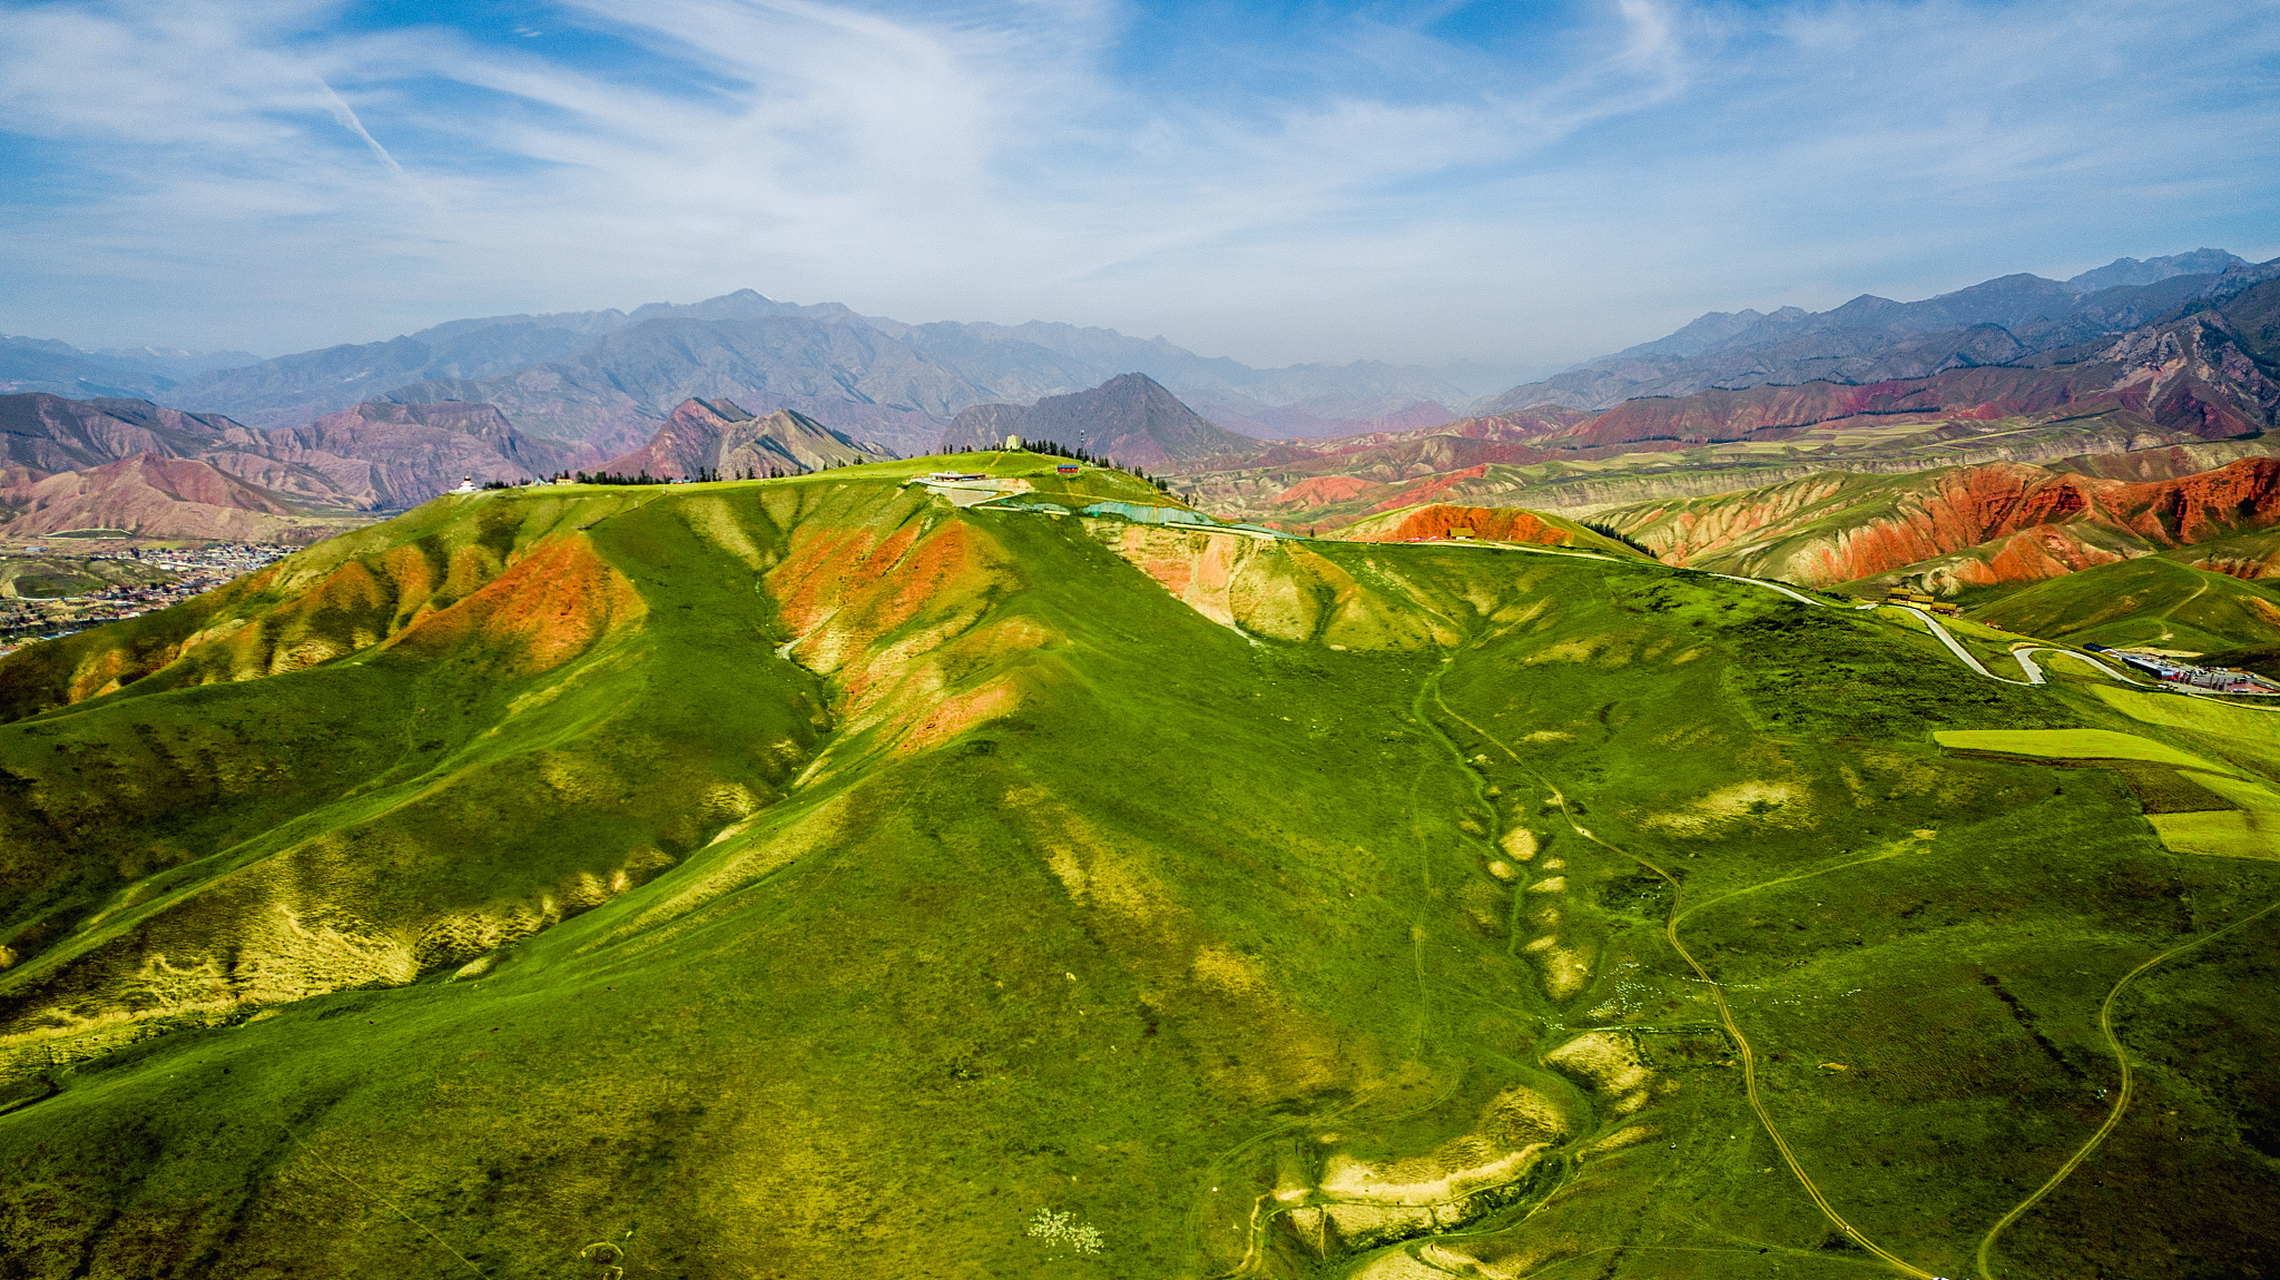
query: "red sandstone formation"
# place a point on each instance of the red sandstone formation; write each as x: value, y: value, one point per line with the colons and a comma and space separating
x: 2020, y: 522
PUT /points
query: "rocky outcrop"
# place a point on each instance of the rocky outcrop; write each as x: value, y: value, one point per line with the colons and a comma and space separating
x: 374, y: 457
x: 2195, y: 375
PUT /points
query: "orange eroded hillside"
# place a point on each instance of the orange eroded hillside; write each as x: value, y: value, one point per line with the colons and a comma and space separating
x: 1491, y: 524
x: 2021, y: 523
x: 553, y: 605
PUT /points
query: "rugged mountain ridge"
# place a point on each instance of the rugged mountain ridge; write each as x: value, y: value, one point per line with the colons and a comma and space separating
x: 375, y: 457
x: 43, y: 364
x: 145, y: 495
x: 717, y: 436
x: 47, y: 432
x: 1130, y: 418
x: 2164, y: 399
x: 1872, y: 339
x: 392, y: 457
x: 607, y: 378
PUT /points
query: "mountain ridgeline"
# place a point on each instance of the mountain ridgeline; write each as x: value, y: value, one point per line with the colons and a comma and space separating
x: 718, y: 437
x: 1872, y: 339
x: 606, y: 378
x: 1130, y: 418
x: 65, y: 459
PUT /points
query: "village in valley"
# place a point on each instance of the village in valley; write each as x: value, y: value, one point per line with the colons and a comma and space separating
x: 48, y: 590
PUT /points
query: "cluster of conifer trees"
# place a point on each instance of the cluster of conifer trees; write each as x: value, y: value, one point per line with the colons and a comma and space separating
x: 1055, y: 449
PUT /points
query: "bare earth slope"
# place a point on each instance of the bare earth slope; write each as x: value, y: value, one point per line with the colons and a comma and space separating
x: 155, y: 497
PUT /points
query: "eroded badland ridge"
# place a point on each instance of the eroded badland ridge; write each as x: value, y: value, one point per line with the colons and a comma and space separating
x: 819, y: 877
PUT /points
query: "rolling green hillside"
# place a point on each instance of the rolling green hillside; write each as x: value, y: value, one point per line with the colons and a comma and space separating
x: 808, y: 878
x: 2150, y: 600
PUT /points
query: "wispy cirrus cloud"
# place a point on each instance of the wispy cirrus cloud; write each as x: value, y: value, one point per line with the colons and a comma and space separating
x: 1409, y: 183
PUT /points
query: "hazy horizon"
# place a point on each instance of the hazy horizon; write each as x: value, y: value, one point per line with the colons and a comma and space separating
x: 1414, y: 184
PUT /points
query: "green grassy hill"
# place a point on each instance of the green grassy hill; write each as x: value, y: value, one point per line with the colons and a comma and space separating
x: 808, y: 878
x: 2150, y: 600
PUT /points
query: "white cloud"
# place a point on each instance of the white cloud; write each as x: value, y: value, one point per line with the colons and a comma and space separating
x: 1379, y: 191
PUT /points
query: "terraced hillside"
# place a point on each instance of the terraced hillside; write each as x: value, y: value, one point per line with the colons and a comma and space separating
x: 811, y: 878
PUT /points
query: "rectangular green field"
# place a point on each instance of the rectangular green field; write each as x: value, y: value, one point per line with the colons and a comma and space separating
x: 2073, y: 744
x: 2220, y: 833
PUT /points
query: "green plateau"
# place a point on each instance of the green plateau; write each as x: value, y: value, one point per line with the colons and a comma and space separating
x: 812, y: 878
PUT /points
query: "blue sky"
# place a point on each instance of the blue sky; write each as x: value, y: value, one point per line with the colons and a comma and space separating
x: 1520, y: 183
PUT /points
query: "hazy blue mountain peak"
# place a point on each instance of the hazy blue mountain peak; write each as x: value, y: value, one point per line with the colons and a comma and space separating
x: 2128, y: 271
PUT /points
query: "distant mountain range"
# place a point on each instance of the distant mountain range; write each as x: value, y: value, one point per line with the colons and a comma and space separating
x: 1872, y: 339
x: 607, y: 378
x: 185, y: 497
x: 43, y: 364
x: 2159, y: 400
x: 157, y: 472
x: 746, y: 382
x: 601, y: 382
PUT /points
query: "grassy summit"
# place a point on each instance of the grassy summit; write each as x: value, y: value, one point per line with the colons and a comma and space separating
x: 810, y: 878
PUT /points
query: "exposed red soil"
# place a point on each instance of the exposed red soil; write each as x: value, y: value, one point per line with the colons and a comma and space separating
x: 1491, y: 524
x: 959, y: 712
x: 553, y: 605
x: 1321, y: 491
x: 2241, y: 566
x: 1428, y: 489
x: 893, y: 620
x: 847, y: 572
x: 1982, y: 394
x: 2029, y: 510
